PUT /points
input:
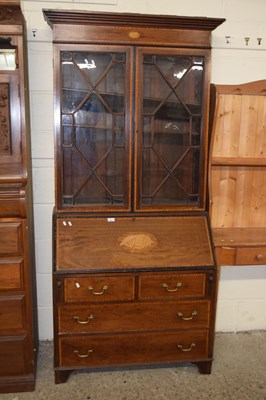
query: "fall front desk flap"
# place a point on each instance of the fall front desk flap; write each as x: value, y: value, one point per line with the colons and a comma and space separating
x: 127, y: 242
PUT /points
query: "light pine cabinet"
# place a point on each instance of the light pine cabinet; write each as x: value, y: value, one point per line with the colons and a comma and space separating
x: 134, y: 273
x: 18, y: 315
x: 238, y: 172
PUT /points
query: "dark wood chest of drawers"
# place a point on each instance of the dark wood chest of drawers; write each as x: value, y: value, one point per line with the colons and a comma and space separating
x: 18, y: 343
x: 132, y: 309
x: 18, y: 308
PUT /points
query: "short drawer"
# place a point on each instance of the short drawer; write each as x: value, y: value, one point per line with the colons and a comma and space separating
x: 169, y: 286
x: 251, y: 255
x: 133, y: 316
x: 12, y: 206
x: 99, y: 288
x: 130, y: 349
x: 11, y: 274
x: 13, y: 356
x: 10, y: 238
x: 225, y: 255
x: 12, y: 313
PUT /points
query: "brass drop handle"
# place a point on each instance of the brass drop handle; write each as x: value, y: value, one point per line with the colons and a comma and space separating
x: 104, y: 288
x: 186, y: 349
x: 165, y: 286
x: 83, y: 355
x: 259, y: 257
x: 193, y: 314
x: 76, y: 318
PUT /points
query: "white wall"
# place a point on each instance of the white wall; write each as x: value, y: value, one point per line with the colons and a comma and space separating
x: 242, y: 291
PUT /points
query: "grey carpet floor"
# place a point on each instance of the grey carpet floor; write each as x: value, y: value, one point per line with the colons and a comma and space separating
x: 238, y: 373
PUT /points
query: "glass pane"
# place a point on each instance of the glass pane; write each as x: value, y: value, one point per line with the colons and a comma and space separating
x: 173, y: 69
x: 190, y: 87
x: 92, y: 65
x: 187, y: 174
x: 171, y: 129
x: 113, y: 81
x: 151, y: 181
x: 93, y: 128
x: 153, y: 94
x: 74, y: 86
x: 67, y: 135
x: 119, y: 138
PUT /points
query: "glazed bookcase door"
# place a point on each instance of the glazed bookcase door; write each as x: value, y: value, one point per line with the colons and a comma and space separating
x: 170, y: 156
x: 94, y: 131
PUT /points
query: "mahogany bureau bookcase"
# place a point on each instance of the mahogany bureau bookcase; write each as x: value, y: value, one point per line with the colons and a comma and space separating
x: 135, y: 278
x: 18, y: 310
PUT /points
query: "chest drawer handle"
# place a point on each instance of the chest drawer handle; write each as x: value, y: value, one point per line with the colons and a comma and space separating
x: 83, y: 355
x: 178, y: 285
x: 76, y: 318
x: 193, y: 314
x: 186, y: 349
x: 104, y: 288
x: 259, y: 257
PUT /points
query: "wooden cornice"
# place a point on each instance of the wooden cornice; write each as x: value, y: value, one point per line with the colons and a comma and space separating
x: 129, y: 19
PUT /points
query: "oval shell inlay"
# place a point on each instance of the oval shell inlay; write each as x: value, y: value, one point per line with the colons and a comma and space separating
x: 138, y: 242
x: 134, y: 35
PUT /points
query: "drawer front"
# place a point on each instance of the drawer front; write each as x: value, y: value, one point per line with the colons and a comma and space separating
x: 13, y: 356
x: 128, y: 349
x: 133, y: 316
x: 251, y: 255
x: 99, y: 289
x: 12, y: 313
x: 225, y: 255
x: 10, y: 238
x: 11, y: 274
x: 14, y: 207
x: 172, y: 286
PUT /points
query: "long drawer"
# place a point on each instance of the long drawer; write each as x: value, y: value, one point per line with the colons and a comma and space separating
x: 133, y: 316
x: 13, y: 356
x: 251, y: 255
x: 241, y: 255
x: 128, y: 349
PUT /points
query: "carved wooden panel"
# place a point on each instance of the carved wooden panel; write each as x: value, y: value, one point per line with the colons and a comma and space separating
x: 5, y: 132
x: 10, y: 15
